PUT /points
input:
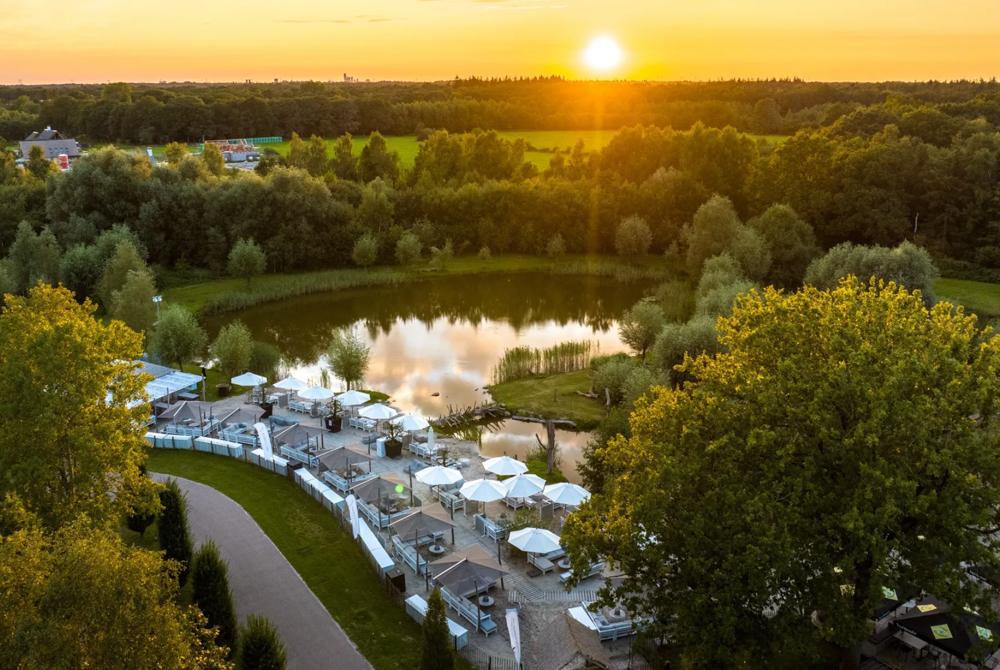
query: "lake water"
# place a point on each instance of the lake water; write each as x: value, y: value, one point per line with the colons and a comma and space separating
x: 443, y: 336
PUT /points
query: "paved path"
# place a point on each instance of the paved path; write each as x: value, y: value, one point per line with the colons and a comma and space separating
x: 264, y: 582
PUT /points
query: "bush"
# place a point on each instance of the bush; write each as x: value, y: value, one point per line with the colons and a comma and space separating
x: 174, y: 536
x: 556, y: 248
x: 610, y: 377
x: 232, y: 349
x: 676, y: 299
x: 264, y: 359
x: 246, y: 260
x: 260, y: 647
x: 437, y: 647
x: 365, y: 250
x: 633, y: 237
x: 485, y: 254
x: 408, y: 248
x: 441, y: 257
x: 677, y: 339
x: 640, y: 325
x: 177, y: 336
x: 210, y: 592
x: 908, y: 265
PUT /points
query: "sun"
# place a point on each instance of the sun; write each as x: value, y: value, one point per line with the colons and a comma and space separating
x: 603, y: 54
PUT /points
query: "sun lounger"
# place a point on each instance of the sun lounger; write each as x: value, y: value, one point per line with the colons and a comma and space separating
x: 542, y: 563
x: 594, y: 570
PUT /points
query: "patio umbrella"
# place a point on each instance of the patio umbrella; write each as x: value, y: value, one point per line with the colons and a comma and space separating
x: 566, y: 494
x: 291, y: 384
x: 504, y: 465
x: 483, y: 490
x: 352, y: 398
x: 316, y: 393
x: 378, y: 411
x: 248, y: 379
x: 438, y: 475
x: 534, y: 540
x: 523, y: 486
x: 430, y: 438
x: 411, y: 422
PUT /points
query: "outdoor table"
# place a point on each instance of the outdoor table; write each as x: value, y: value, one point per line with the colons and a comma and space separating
x: 436, y: 549
x: 486, y: 601
x: 564, y: 563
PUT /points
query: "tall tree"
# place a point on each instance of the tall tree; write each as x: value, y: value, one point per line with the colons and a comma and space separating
x: 178, y: 337
x: 377, y: 161
x: 81, y: 598
x: 246, y: 260
x: 640, y: 325
x: 344, y: 162
x: 232, y: 348
x: 133, y: 302
x: 34, y: 258
x: 260, y: 646
x: 437, y: 648
x: 172, y: 529
x: 791, y: 242
x: 841, y: 442
x: 214, y: 160
x: 633, y: 237
x: 124, y: 260
x: 210, y: 592
x: 348, y: 356
x: 365, y: 250
x: 67, y: 388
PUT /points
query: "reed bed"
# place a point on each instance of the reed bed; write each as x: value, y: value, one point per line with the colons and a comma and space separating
x: 522, y: 362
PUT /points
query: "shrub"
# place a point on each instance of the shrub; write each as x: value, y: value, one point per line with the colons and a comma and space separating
x: 174, y: 536
x: 556, y: 248
x: 210, y: 592
x: 177, y: 336
x: 246, y: 260
x: 260, y: 647
x: 264, y: 359
x: 233, y: 348
x: 437, y: 648
x: 633, y: 237
x: 484, y: 254
x: 365, y: 250
x: 408, y: 248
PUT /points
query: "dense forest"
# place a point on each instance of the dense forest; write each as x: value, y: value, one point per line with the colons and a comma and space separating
x: 150, y: 113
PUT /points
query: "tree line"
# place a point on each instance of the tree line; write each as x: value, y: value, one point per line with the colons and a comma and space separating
x: 151, y: 113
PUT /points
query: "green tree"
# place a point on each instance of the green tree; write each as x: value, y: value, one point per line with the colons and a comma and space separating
x: 214, y: 161
x: 377, y: 161
x: 376, y: 210
x: 640, y: 325
x: 38, y: 165
x: 176, y: 152
x: 67, y: 389
x: 791, y: 242
x: 210, y: 592
x: 232, y: 349
x: 124, y: 260
x: 710, y: 233
x: 437, y: 647
x: 178, y: 337
x: 440, y: 257
x: 80, y: 270
x: 556, y: 248
x: 408, y: 248
x: 172, y: 529
x: 344, y: 163
x: 907, y: 265
x: 264, y: 358
x: 133, y: 302
x: 633, y: 237
x: 260, y: 647
x: 33, y: 258
x: 348, y: 356
x: 246, y: 260
x: 365, y: 250
x: 81, y: 598
x: 842, y: 442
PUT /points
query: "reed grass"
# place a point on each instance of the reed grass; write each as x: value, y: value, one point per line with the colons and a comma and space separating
x: 523, y: 362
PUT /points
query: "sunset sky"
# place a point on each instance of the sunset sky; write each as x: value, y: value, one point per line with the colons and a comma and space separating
x: 223, y: 40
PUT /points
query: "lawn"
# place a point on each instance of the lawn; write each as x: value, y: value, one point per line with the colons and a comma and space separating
x: 978, y: 296
x: 329, y: 561
x: 553, y: 397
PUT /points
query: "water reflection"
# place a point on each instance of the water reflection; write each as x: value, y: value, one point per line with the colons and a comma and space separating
x: 434, y: 343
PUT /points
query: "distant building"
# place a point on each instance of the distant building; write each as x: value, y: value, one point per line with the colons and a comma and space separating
x: 52, y: 143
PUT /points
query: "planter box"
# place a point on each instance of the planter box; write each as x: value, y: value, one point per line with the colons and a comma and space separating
x: 393, y: 448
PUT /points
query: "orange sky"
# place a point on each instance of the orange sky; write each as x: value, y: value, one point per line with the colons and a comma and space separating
x: 223, y: 40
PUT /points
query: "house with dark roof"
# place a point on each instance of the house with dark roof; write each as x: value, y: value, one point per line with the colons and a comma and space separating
x: 52, y: 143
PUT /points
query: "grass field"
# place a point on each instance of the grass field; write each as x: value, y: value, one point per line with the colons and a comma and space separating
x: 978, y: 296
x: 553, y: 397
x: 542, y: 143
x: 329, y: 561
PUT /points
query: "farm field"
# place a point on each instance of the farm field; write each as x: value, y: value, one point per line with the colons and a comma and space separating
x: 542, y: 143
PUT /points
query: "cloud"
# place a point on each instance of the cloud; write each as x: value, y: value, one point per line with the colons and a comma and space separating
x: 307, y: 21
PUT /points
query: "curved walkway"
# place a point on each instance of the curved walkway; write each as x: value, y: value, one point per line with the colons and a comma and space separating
x: 265, y: 583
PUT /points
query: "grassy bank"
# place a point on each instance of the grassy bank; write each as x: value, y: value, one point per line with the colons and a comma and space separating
x: 552, y: 397
x: 978, y: 296
x: 329, y: 561
x: 227, y: 294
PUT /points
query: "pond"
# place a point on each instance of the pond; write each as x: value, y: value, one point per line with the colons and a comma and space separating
x: 434, y: 343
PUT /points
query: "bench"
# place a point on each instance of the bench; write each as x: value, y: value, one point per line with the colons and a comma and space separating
x: 594, y: 570
x: 416, y: 607
x: 490, y: 528
x: 408, y: 555
x: 341, y: 483
x: 478, y: 618
x: 451, y: 501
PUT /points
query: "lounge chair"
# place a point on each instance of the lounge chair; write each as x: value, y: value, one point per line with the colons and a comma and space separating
x: 543, y: 564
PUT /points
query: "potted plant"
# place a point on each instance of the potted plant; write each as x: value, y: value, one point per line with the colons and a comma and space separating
x: 333, y: 419
x: 393, y: 445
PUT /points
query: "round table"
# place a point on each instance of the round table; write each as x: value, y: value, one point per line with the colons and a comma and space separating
x: 486, y: 601
x: 564, y: 563
x: 436, y: 549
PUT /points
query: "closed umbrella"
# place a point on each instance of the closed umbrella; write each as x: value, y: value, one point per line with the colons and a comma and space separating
x: 378, y: 412
x: 483, y: 490
x: 566, y: 493
x: 504, y: 465
x: 438, y: 475
x: 248, y: 379
x: 291, y: 384
x: 524, y: 486
x: 353, y: 398
x: 534, y: 540
x: 316, y: 393
x: 411, y: 422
